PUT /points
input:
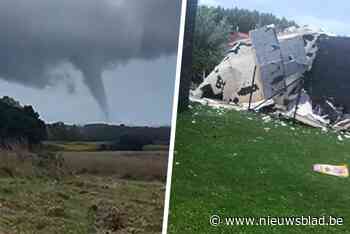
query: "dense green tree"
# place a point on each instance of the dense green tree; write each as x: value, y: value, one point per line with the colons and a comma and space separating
x: 186, y: 66
x: 132, y: 142
x: 19, y: 123
x: 210, y: 38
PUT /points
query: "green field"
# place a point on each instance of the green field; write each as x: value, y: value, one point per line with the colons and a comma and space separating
x: 232, y: 163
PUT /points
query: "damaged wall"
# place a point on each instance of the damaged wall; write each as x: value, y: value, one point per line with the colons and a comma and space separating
x: 303, y: 73
x: 231, y: 80
x: 279, y: 62
x: 329, y: 77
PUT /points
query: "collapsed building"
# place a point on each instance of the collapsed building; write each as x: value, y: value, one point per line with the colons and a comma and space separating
x: 298, y: 73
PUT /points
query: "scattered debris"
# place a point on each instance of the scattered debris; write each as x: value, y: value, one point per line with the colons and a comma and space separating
x: 266, y: 72
x: 266, y: 119
x: 341, y: 171
x: 342, y: 125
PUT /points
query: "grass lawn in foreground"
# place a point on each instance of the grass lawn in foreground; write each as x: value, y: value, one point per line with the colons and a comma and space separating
x: 233, y: 163
x: 80, y: 204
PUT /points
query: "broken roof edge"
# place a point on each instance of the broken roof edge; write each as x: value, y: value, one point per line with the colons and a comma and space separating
x: 312, y: 118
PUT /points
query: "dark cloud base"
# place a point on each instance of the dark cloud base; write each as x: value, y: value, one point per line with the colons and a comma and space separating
x: 93, y: 35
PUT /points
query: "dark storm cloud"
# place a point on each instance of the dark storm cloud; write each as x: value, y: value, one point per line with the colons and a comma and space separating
x: 36, y: 36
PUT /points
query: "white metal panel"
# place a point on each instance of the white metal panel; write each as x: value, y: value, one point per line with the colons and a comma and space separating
x: 266, y: 45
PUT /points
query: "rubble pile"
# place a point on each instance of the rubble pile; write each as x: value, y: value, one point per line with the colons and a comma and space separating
x: 270, y: 72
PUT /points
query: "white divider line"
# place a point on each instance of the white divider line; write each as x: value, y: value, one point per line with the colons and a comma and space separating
x: 174, y: 116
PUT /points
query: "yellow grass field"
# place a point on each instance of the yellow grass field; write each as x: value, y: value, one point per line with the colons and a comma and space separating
x: 143, y: 165
x: 89, y: 192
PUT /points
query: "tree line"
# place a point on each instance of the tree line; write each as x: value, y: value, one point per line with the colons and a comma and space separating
x: 60, y: 131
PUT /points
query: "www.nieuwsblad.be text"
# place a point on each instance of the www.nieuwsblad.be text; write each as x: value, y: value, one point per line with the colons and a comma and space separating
x: 216, y: 220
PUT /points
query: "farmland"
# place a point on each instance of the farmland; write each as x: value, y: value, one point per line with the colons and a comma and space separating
x: 82, y: 190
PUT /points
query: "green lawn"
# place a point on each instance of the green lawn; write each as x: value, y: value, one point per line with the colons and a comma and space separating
x: 234, y: 164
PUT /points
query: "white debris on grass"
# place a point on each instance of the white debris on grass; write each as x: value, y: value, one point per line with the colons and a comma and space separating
x: 342, y: 125
x: 305, y: 112
x: 340, y: 138
x: 192, y: 172
x: 335, y: 170
x: 258, y: 105
x: 266, y: 118
x: 193, y: 121
x: 283, y: 124
x: 267, y: 129
x: 262, y: 171
x: 232, y: 155
x: 215, y: 103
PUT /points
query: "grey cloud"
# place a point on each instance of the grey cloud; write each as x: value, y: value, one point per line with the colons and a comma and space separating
x: 36, y: 36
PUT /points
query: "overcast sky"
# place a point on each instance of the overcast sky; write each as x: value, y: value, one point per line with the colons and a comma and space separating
x: 331, y: 15
x: 85, y: 61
